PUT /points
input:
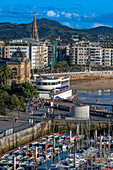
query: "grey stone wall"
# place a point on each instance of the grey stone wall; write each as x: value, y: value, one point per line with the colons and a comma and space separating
x: 24, y: 136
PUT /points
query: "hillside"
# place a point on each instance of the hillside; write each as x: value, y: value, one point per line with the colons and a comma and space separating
x: 103, y: 30
x: 47, y: 28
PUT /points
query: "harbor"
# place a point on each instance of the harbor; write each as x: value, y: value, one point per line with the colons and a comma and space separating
x: 77, y: 136
x: 63, y: 151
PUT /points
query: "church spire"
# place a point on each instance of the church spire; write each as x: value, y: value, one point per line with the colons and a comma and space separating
x: 34, y: 30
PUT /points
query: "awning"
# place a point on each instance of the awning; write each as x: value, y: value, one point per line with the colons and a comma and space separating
x: 57, y: 97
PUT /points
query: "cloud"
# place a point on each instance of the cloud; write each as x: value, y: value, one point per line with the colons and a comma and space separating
x: 85, y: 16
x: 66, y: 24
x: 77, y: 26
x: 67, y: 15
x: 98, y: 25
x: 52, y: 14
x: 90, y: 15
x: 37, y: 14
x: 76, y: 15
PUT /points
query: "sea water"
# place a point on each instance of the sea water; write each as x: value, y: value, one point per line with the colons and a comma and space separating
x: 102, y: 96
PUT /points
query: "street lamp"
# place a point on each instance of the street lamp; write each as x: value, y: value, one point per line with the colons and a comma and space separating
x: 52, y: 101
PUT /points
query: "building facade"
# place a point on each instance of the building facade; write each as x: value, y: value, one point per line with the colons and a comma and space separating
x: 36, y: 51
x: 52, y: 54
x: 20, y: 66
x: 90, y: 54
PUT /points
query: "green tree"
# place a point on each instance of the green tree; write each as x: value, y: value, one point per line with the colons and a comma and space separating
x: 6, y: 88
x: 61, y: 64
x: 5, y: 74
x: 21, y: 105
x: 22, y: 91
x: 13, y: 103
x: 3, y: 112
x: 26, y: 90
x: 4, y: 100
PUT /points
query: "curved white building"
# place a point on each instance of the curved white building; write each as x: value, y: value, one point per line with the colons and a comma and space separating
x: 51, y: 83
x: 81, y: 111
x: 60, y: 86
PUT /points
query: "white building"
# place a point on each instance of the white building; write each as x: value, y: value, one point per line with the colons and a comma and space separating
x: 36, y: 51
x: 107, y: 57
x: 85, y: 53
x: 54, y: 87
x: 42, y: 55
x: 15, y: 44
x: 95, y: 56
x: 81, y: 111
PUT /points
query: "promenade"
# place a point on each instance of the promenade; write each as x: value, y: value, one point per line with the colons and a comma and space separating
x: 93, y: 80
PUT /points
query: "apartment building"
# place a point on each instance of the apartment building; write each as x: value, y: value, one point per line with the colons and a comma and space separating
x: 85, y: 54
x: 34, y: 50
x: 42, y: 55
x: 95, y: 56
x: 107, y: 54
x: 78, y: 54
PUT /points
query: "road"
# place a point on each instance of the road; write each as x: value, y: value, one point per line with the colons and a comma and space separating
x: 25, y: 117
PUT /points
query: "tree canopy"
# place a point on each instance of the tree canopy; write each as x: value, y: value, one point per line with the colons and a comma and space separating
x: 13, y: 97
x: 5, y: 74
x: 61, y: 64
x: 10, y: 101
x: 26, y: 90
x: 4, y: 99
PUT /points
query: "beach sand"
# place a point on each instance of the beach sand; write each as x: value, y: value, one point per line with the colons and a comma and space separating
x: 102, y: 84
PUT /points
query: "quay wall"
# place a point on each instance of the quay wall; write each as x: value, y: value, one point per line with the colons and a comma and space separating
x: 24, y: 136
x: 56, y: 126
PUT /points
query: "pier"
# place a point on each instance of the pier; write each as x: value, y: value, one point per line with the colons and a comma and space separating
x: 101, y: 104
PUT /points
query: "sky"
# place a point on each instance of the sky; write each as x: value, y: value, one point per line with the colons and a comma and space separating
x: 82, y: 14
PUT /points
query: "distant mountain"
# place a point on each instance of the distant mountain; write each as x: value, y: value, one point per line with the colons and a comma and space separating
x: 47, y: 28
x: 102, y: 30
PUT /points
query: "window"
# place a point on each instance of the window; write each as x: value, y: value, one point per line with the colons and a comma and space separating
x: 44, y: 83
x: 13, y: 83
x: 14, y: 71
x: 53, y: 83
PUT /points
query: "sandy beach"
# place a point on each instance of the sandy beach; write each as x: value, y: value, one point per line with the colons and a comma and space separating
x: 92, y: 84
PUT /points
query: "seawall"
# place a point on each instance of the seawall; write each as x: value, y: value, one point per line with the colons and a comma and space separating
x: 24, y: 136
x: 83, y: 75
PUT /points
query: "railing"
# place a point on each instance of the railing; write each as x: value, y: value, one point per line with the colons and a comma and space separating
x: 69, y: 73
